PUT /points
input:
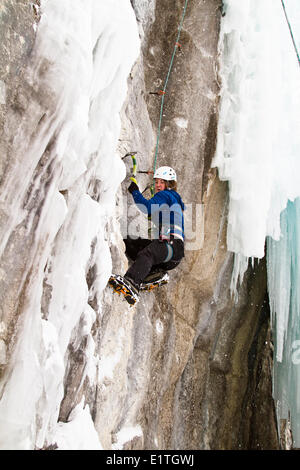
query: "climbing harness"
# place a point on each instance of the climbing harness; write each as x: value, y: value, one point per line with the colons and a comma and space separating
x: 170, y: 252
x: 291, y: 31
x: 163, y: 91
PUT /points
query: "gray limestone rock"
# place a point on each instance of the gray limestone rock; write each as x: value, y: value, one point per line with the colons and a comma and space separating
x: 192, y: 366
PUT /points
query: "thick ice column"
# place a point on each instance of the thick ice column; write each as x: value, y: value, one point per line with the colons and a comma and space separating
x: 283, y: 261
x: 83, y: 54
x: 258, y: 139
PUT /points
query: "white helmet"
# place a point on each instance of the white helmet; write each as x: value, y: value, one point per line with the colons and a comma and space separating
x: 165, y: 173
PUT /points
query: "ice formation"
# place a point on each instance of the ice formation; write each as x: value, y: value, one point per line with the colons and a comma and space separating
x: 91, y: 47
x: 258, y: 154
x: 283, y: 261
x: 257, y: 149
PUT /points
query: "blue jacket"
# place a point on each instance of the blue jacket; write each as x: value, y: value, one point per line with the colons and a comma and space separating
x: 166, y: 211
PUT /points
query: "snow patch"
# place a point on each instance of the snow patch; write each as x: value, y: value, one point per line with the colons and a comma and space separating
x: 159, y: 327
x: 181, y: 122
x: 2, y: 92
x: 78, y: 433
x: 126, y: 434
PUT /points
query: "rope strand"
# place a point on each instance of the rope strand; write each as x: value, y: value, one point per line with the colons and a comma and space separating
x: 165, y: 85
x: 291, y: 31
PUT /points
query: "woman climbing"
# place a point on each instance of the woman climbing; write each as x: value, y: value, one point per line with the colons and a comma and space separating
x: 165, y: 249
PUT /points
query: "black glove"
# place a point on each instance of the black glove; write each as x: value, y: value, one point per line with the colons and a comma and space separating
x: 133, y: 186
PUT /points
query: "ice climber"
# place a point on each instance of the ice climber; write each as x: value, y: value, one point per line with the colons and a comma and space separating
x: 162, y: 252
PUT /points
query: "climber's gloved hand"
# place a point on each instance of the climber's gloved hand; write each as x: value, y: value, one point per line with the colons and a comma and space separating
x: 133, y: 186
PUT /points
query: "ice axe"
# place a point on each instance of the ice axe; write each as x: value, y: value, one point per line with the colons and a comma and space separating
x: 134, y: 163
x: 134, y: 168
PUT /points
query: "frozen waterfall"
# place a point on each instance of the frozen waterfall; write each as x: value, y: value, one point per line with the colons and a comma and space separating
x: 258, y: 153
x: 283, y: 259
x: 83, y: 54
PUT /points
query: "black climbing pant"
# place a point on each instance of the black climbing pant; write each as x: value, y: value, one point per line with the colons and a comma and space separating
x: 149, y: 256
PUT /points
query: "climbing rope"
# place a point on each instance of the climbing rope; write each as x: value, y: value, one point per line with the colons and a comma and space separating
x: 291, y: 31
x: 163, y: 91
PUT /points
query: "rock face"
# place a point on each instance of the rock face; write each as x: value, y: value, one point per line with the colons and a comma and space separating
x: 191, y: 364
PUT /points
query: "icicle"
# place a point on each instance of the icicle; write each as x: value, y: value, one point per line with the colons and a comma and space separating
x: 240, y: 266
